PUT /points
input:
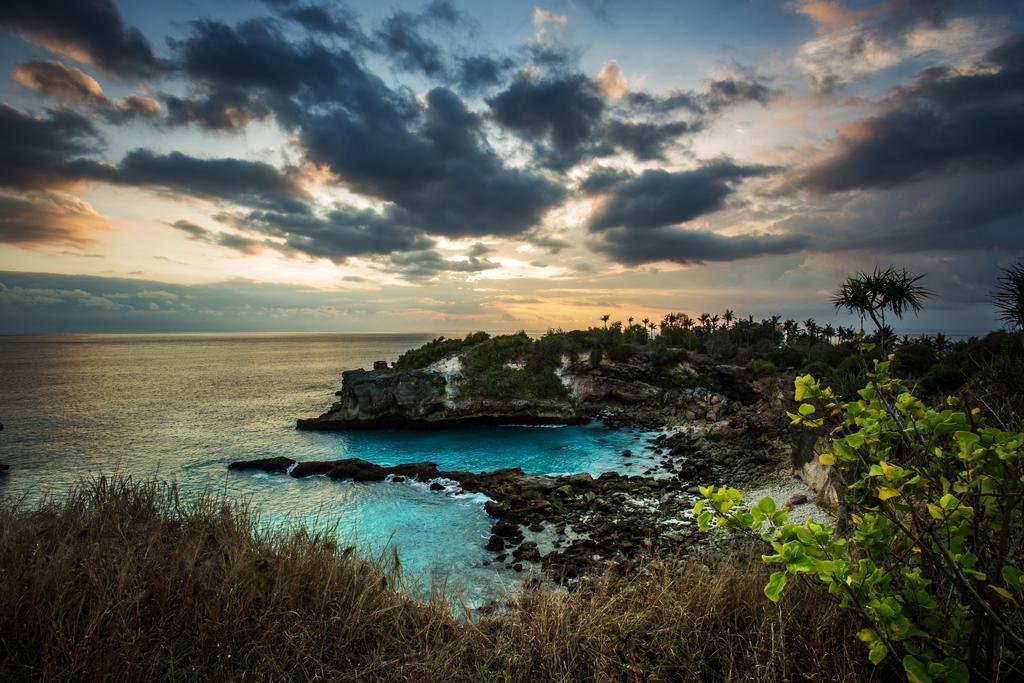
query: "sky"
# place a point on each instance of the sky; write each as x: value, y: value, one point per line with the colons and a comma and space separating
x: 311, y: 165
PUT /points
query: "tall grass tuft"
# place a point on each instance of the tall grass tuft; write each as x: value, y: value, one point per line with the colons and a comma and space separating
x: 127, y: 580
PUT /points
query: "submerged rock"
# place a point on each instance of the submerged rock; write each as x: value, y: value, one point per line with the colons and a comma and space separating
x: 278, y: 464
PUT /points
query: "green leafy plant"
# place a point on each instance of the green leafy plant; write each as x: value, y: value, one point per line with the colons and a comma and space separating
x: 931, y: 559
x: 759, y: 367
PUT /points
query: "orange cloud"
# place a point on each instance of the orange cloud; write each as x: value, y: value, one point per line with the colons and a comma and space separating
x: 41, y: 219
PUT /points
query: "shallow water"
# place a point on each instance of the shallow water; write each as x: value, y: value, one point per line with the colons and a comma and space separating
x: 181, y: 407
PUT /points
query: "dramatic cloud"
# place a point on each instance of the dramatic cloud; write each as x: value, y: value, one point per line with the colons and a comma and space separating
x: 89, y: 31
x: 401, y: 40
x: 240, y: 243
x: 657, y: 198
x: 563, y: 112
x: 692, y: 246
x: 47, y: 218
x: 443, y: 174
x: 637, y: 221
x: 251, y: 183
x: 570, y: 117
x: 944, y: 122
x: 36, y: 150
x: 342, y: 233
x: 51, y: 78
x: 425, y: 265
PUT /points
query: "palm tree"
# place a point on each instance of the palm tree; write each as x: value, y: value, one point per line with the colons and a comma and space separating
x: 1008, y: 296
x: 727, y: 317
x: 605, y: 318
x: 829, y: 332
x: 714, y: 321
x: 630, y: 320
x: 941, y: 343
x: 790, y: 328
x: 811, y: 328
x: 705, y: 321
x: 686, y: 321
x: 872, y: 294
x: 653, y: 327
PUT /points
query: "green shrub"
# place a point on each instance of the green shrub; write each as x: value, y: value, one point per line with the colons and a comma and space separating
x: 595, y: 356
x: 942, y: 379
x: 818, y: 369
x: 435, y: 350
x: 913, y: 360
x: 931, y: 563
x: 504, y: 383
x: 620, y: 352
x: 666, y: 357
x: 759, y: 367
x: 787, y: 357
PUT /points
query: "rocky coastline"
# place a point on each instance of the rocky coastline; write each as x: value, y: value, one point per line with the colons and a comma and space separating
x: 730, y: 429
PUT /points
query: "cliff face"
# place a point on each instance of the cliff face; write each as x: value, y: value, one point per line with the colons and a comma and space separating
x: 426, y: 398
x: 439, y: 395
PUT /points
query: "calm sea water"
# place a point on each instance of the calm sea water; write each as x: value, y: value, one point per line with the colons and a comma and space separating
x: 181, y: 407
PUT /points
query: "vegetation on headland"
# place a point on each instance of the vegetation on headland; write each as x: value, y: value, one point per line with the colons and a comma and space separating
x: 124, y: 580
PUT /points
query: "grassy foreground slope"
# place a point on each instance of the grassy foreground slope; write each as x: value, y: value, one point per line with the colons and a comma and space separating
x: 124, y: 580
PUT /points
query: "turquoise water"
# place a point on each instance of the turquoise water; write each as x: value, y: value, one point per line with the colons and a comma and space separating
x: 181, y: 407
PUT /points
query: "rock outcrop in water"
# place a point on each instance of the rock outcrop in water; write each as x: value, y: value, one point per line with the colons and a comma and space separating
x: 440, y: 395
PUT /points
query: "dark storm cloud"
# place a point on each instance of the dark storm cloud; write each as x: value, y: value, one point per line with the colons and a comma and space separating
x: 475, y: 73
x: 944, y: 122
x: 658, y: 198
x: 951, y: 214
x: 401, y: 40
x: 691, y: 246
x: 564, y: 112
x: 51, y: 78
x: 332, y: 19
x: 84, y: 29
x: 240, y: 243
x: 249, y: 70
x: 342, y: 233
x: 444, y: 174
x: 425, y: 265
x: 251, y: 183
x: 636, y: 224
x: 646, y: 141
x: 36, y: 149
x: 568, y: 119
x: 717, y: 95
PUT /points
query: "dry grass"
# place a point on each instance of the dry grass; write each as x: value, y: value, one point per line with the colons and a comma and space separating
x: 125, y: 581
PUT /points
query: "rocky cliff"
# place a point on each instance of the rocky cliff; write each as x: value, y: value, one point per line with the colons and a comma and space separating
x: 441, y: 396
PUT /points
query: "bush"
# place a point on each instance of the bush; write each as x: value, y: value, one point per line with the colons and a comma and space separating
x: 435, y: 350
x: 666, y: 358
x: 931, y: 565
x: 942, y: 379
x: 818, y: 369
x: 620, y: 352
x: 595, y: 357
x: 913, y: 360
x: 759, y: 367
x: 787, y: 357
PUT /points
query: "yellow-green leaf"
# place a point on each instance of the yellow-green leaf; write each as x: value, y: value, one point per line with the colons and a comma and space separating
x: 885, y: 493
x: 827, y: 459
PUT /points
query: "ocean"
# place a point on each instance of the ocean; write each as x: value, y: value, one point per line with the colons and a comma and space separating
x: 181, y: 407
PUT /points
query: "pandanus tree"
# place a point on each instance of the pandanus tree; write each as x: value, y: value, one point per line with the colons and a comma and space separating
x: 892, y: 290
x: 1008, y: 296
